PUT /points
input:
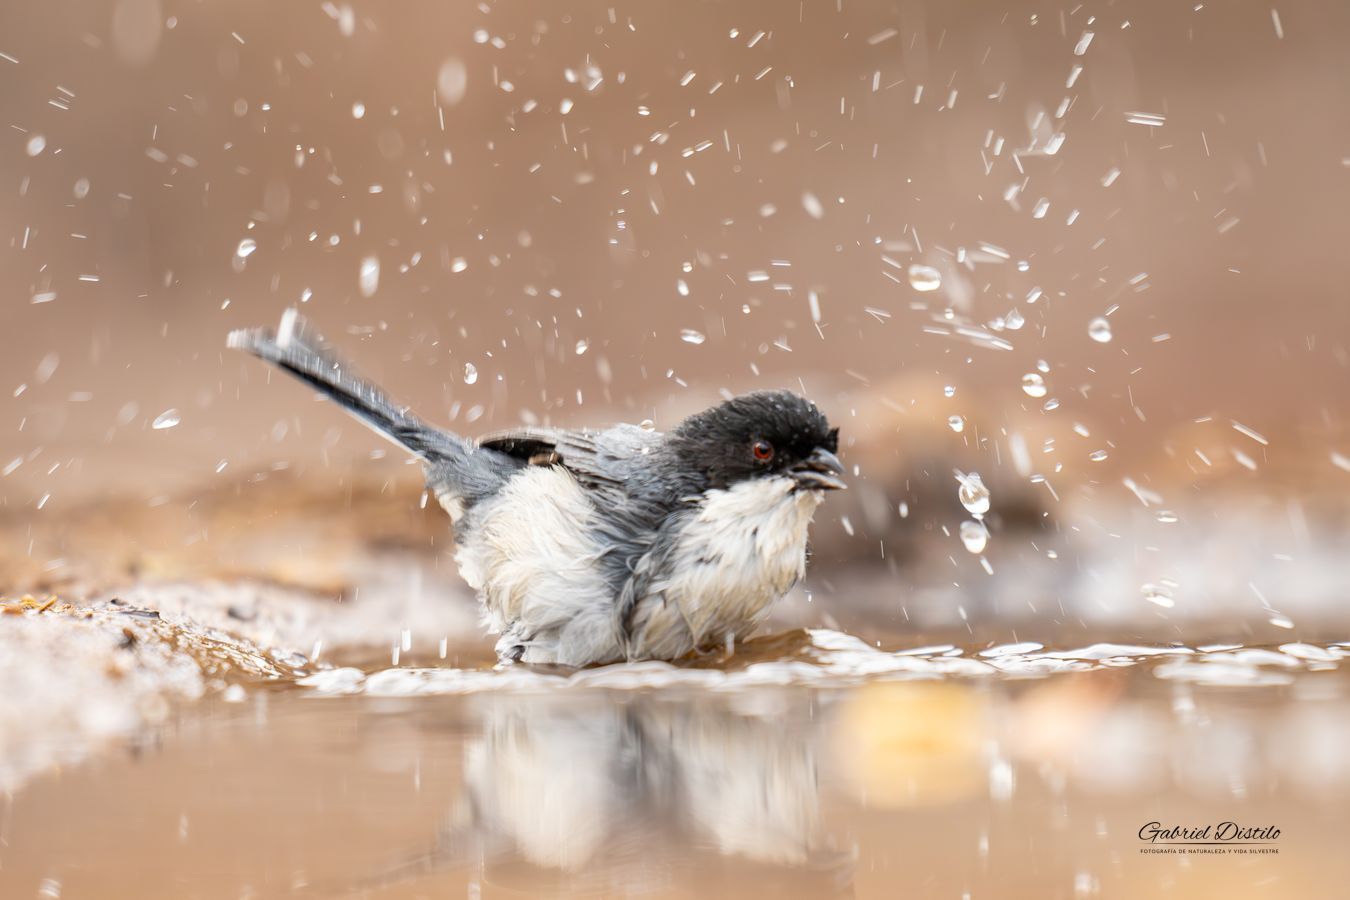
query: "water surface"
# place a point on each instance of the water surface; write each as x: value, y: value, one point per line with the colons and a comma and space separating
x: 815, y: 766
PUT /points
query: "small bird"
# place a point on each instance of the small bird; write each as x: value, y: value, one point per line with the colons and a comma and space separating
x: 599, y: 546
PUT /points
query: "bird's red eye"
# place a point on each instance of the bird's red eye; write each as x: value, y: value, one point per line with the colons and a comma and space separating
x: 763, y: 451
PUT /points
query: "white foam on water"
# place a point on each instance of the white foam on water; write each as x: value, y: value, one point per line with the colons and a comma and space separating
x: 1221, y: 674
x: 1109, y: 651
x: 835, y: 659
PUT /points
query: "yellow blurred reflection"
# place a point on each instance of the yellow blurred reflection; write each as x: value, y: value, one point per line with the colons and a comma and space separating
x: 912, y: 743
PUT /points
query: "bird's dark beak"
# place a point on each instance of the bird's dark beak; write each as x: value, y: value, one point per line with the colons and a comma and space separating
x: 821, y: 471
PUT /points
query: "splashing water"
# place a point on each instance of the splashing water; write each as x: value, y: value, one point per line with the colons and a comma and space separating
x: 972, y: 493
x: 833, y: 658
x: 924, y: 278
x: 1153, y: 120
x: 811, y: 203
x: 974, y: 535
x: 452, y: 81
x: 1033, y: 385
x: 1159, y: 595
x: 690, y: 336
x: 369, y: 279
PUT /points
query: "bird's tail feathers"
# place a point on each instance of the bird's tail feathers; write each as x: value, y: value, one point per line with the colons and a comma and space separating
x: 297, y: 348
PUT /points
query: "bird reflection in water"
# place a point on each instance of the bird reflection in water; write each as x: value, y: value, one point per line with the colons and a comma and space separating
x: 606, y: 793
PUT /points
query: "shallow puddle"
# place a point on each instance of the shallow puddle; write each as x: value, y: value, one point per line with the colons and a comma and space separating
x: 830, y: 769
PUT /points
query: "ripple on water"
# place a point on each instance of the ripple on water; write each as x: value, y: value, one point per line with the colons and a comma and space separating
x: 826, y: 658
x: 1252, y: 666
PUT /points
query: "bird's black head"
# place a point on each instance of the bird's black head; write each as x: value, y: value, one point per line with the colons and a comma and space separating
x: 761, y: 434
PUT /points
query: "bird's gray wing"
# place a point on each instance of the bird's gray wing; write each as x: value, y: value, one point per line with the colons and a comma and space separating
x: 607, y: 463
x: 620, y: 469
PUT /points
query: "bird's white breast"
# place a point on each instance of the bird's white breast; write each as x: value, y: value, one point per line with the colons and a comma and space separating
x: 744, y: 548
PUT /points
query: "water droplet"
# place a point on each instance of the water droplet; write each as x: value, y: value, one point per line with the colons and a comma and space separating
x: 36, y: 144
x: 167, y: 419
x: 1166, y: 516
x: 470, y: 373
x: 974, y: 496
x: 690, y: 336
x: 1097, y: 455
x: 81, y: 188
x: 369, y: 279
x: 949, y: 391
x: 924, y: 278
x: 1153, y: 120
x: 1033, y: 385
x: 452, y: 81
x: 1155, y: 593
x: 974, y: 535
x: 358, y: 110
x: 1099, y: 329
x: 811, y: 203
x: 246, y: 248
x: 956, y: 423
x: 1013, y: 320
x: 647, y: 425
x: 581, y: 346
x: 46, y: 368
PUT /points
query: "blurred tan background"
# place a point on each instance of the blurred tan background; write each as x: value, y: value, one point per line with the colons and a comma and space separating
x: 567, y: 197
